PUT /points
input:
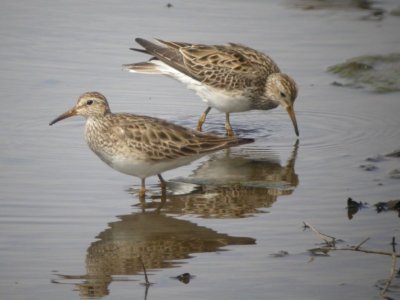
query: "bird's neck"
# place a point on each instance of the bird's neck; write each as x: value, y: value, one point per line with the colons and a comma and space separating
x: 265, y: 103
x: 97, y: 121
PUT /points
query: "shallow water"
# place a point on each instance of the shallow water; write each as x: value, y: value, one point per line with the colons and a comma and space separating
x: 70, y: 227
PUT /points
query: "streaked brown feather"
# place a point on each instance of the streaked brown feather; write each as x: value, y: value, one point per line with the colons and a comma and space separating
x: 231, y: 66
x: 230, y: 78
x: 157, y: 139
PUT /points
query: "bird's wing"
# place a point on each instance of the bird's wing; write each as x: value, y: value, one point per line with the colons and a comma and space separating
x: 264, y: 61
x: 231, y: 66
x: 170, y: 55
x: 220, y: 66
x: 155, y: 139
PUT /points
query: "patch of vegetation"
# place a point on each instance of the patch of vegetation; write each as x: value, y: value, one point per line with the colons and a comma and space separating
x: 381, y: 73
x: 364, y: 4
x: 395, y: 12
x: 323, y: 4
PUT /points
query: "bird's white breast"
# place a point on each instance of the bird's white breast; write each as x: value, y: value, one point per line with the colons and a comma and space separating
x: 219, y: 99
x: 146, y: 168
x: 127, y: 160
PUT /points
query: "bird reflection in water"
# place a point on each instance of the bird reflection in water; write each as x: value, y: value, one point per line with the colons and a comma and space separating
x: 152, y: 238
x: 228, y: 185
x: 231, y: 185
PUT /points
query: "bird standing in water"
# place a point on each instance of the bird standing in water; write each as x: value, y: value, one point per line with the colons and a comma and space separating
x: 141, y: 146
x: 230, y: 78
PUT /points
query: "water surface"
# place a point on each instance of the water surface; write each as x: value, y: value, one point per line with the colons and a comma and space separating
x: 71, y: 227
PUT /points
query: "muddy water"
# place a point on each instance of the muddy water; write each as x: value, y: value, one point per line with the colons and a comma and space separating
x: 70, y: 227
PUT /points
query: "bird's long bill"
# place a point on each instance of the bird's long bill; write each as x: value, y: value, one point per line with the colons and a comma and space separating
x: 292, y: 116
x: 67, y: 114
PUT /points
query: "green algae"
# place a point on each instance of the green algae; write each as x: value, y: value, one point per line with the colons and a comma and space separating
x: 380, y: 73
x: 395, y: 12
x: 326, y: 4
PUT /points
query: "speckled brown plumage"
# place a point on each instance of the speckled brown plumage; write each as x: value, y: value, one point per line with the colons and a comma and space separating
x: 230, y: 78
x: 139, y: 145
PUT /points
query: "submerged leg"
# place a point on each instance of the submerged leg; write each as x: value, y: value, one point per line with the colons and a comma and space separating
x: 228, y: 127
x: 203, y: 118
x: 142, y: 195
x: 142, y: 191
x: 163, y: 186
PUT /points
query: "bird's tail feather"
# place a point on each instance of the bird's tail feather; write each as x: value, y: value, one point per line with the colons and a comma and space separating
x: 139, y: 50
x: 142, y: 67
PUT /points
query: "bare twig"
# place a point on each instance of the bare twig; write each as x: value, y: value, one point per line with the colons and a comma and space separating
x: 367, y: 251
x: 357, y: 248
x: 392, y: 269
x: 360, y: 244
x: 330, y: 240
x: 147, y: 283
x: 331, y: 246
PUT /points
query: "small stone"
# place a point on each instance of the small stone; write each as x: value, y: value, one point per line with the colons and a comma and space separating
x: 185, y: 277
x: 377, y: 158
x: 394, y: 154
x: 337, y: 83
x: 395, y: 174
x: 368, y: 167
x: 381, y: 206
x: 281, y: 253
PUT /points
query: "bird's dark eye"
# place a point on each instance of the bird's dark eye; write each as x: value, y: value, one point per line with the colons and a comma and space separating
x: 89, y: 102
x: 283, y: 94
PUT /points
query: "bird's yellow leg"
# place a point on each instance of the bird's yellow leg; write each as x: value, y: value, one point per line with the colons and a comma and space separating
x: 228, y: 127
x: 142, y: 191
x: 142, y: 195
x: 202, y: 118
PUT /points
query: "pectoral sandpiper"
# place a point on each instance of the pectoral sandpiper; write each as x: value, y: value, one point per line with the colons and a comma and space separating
x: 141, y: 146
x: 230, y: 78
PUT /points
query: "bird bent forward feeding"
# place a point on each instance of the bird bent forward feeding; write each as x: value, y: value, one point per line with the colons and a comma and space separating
x: 230, y: 78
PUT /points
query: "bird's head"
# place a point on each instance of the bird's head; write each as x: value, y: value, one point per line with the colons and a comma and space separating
x: 90, y: 104
x: 281, y: 88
